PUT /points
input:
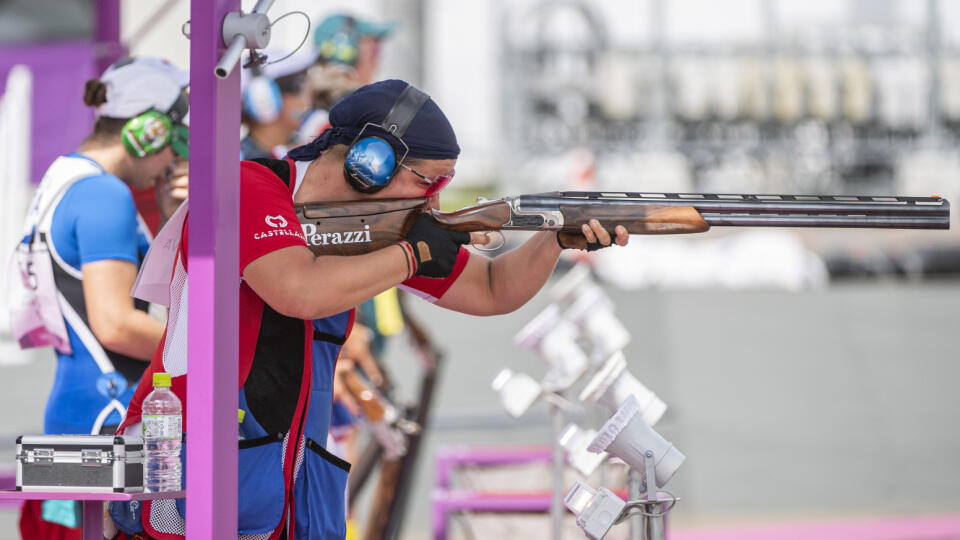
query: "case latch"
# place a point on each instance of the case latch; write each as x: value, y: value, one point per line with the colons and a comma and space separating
x: 43, y: 456
x: 95, y: 458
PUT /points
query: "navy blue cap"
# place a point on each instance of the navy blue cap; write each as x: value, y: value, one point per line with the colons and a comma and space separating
x: 429, y: 136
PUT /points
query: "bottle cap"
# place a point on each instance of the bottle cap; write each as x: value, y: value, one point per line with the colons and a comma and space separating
x: 161, y: 379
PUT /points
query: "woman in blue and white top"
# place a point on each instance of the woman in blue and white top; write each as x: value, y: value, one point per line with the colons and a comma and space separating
x: 84, y: 229
x: 85, y: 215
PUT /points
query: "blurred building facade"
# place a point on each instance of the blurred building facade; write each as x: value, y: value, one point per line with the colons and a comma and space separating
x: 815, y: 97
x: 744, y: 95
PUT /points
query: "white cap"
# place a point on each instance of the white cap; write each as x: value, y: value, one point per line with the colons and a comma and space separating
x: 180, y: 76
x: 297, y: 61
x: 136, y: 85
x: 277, y: 66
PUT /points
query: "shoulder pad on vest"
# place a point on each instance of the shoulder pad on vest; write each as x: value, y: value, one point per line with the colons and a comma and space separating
x: 279, y: 167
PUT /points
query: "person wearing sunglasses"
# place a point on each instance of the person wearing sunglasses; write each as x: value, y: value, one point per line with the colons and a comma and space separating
x: 386, y: 140
x: 434, y: 185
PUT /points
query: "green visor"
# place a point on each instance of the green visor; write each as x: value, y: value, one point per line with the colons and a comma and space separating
x: 180, y: 141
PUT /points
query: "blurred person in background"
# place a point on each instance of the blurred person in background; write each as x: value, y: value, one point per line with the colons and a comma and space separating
x: 348, y: 50
x: 286, y: 392
x: 84, y: 212
x: 348, y: 56
x: 275, y: 99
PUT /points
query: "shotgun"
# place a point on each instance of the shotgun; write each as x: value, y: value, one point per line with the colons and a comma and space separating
x: 357, y: 227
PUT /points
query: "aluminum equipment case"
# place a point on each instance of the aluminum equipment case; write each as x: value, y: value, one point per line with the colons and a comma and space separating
x: 80, y: 463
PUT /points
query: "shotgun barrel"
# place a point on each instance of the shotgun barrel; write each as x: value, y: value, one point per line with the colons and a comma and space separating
x: 851, y: 211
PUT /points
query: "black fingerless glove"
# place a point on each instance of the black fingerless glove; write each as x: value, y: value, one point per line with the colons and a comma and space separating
x: 576, y: 240
x: 432, y: 250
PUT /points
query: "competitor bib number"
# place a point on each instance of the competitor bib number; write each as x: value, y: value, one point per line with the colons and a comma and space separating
x: 35, y: 317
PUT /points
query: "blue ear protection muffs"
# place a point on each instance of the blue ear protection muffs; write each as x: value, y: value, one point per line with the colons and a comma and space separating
x: 261, y: 99
x: 371, y: 161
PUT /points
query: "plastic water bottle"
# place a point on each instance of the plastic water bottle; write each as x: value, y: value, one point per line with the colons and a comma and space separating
x: 162, y: 421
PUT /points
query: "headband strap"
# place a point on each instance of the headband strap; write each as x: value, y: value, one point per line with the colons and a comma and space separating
x: 408, y: 104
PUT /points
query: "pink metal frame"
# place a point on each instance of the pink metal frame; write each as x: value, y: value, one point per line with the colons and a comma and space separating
x: 92, y: 504
x: 932, y: 527
x: 214, y: 279
x: 106, y: 34
x: 447, y: 500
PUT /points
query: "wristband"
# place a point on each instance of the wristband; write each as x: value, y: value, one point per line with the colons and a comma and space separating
x: 411, y: 259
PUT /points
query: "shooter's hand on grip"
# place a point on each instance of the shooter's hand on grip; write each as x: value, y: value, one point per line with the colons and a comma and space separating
x: 432, y: 250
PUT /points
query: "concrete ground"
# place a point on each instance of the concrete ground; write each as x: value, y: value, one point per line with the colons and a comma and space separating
x: 788, y: 406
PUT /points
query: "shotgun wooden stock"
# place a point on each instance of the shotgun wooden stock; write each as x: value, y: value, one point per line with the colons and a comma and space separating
x: 356, y: 227
x: 370, y: 401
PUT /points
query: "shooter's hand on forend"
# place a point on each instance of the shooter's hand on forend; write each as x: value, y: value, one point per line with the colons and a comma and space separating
x: 593, y: 236
x: 431, y: 249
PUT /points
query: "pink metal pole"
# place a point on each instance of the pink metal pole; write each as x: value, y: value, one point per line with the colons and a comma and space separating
x: 107, y: 47
x: 92, y: 520
x: 214, y: 280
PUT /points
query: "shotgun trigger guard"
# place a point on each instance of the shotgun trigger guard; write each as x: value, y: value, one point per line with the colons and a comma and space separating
x: 495, y: 241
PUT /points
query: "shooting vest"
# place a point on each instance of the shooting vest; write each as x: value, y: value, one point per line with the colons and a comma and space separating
x: 48, y: 296
x: 287, y: 481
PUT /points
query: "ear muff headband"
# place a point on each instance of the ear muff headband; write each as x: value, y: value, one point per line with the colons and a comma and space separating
x: 178, y: 111
x: 408, y: 104
x: 151, y: 131
x: 371, y: 161
x: 180, y: 141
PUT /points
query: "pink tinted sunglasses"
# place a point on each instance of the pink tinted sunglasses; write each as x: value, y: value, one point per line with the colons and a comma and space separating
x: 437, y: 183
